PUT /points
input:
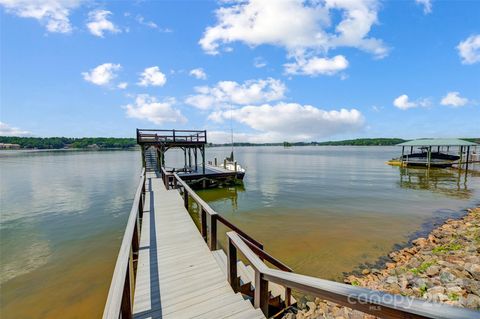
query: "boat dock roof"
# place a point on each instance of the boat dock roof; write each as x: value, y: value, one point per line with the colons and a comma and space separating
x: 438, y: 142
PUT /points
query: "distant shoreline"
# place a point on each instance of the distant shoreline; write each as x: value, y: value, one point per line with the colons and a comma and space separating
x: 105, y: 143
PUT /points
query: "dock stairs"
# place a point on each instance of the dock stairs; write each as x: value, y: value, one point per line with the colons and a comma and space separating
x: 247, y: 286
x: 151, y: 160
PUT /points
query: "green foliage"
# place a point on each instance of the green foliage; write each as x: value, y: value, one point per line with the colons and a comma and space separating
x: 453, y: 296
x: 366, y: 142
x: 356, y: 142
x: 355, y: 283
x: 421, y: 269
x: 68, y: 142
x: 423, y: 290
x: 446, y: 248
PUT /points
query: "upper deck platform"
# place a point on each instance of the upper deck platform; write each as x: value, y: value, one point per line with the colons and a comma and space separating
x: 171, y: 138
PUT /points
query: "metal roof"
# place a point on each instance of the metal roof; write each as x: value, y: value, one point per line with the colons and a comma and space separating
x: 438, y: 142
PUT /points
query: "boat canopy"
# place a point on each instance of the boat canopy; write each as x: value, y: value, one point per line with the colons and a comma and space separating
x: 438, y: 142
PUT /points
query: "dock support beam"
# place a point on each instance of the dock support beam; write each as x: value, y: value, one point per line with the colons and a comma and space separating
x: 429, y: 156
x: 196, y: 159
x: 468, y: 156
x: 461, y: 158
x: 203, y: 159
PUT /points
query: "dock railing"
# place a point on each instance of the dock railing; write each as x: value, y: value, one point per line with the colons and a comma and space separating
x: 373, y: 302
x: 119, y: 302
x: 175, y: 136
x: 120, y: 295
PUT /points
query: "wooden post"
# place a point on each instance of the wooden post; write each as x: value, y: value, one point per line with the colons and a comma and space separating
x: 288, y: 296
x: 429, y: 156
x: 185, y: 198
x: 468, y: 155
x: 159, y: 159
x: 196, y: 160
x: 213, y: 232
x: 203, y: 218
x: 261, y: 293
x: 235, y: 165
x: 225, y: 163
x: 232, y: 266
x: 203, y: 155
x: 126, y: 306
x: 185, y: 156
x: 162, y: 150
x: 215, y: 161
x: 411, y: 149
x: 461, y: 158
x: 189, y: 158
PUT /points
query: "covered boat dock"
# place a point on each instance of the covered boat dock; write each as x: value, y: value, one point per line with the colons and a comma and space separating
x: 466, y: 150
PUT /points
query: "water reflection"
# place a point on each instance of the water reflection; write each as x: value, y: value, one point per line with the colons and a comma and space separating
x: 449, y: 182
x: 227, y: 196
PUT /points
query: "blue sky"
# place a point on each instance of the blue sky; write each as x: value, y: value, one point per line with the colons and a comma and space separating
x: 272, y: 70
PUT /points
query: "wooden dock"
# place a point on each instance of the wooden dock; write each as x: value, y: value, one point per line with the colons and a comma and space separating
x: 167, y: 268
x: 178, y: 276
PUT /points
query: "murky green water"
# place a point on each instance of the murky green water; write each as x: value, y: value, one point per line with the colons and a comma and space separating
x: 322, y: 210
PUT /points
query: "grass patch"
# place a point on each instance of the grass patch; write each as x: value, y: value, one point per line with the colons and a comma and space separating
x: 423, y: 290
x: 421, y: 269
x: 453, y: 296
x: 446, y: 248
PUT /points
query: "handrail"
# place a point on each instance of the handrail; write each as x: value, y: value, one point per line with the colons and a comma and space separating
x: 180, y: 136
x: 377, y: 303
x: 214, y: 216
x: 263, y: 255
x: 254, y: 244
x: 120, y: 294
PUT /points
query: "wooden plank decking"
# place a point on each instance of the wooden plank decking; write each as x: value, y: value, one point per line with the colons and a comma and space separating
x: 177, y: 275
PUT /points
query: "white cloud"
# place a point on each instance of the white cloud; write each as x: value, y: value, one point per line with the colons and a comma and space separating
x: 148, y: 108
x: 199, y: 73
x: 315, y: 66
x: 454, y: 99
x: 292, y: 121
x: 102, y: 74
x: 427, y: 5
x: 469, y: 49
x: 259, y: 62
x: 122, y: 85
x: 403, y: 102
x: 54, y: 14
x: 295, y: 25
x: 152, y: 76
x: 229, y: 92
x: 98, y: 23
x: 7, y: 130
x: 141, y: 20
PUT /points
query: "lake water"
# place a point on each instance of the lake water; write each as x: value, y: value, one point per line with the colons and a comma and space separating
x: 321, y: 210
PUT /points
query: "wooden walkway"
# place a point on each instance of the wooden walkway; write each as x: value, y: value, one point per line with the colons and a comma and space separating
x: 177, y: 275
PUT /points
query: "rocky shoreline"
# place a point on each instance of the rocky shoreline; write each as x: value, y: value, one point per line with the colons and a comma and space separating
x: 443, y: 267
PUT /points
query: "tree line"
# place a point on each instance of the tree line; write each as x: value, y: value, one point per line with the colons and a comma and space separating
x: 69, y: 142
